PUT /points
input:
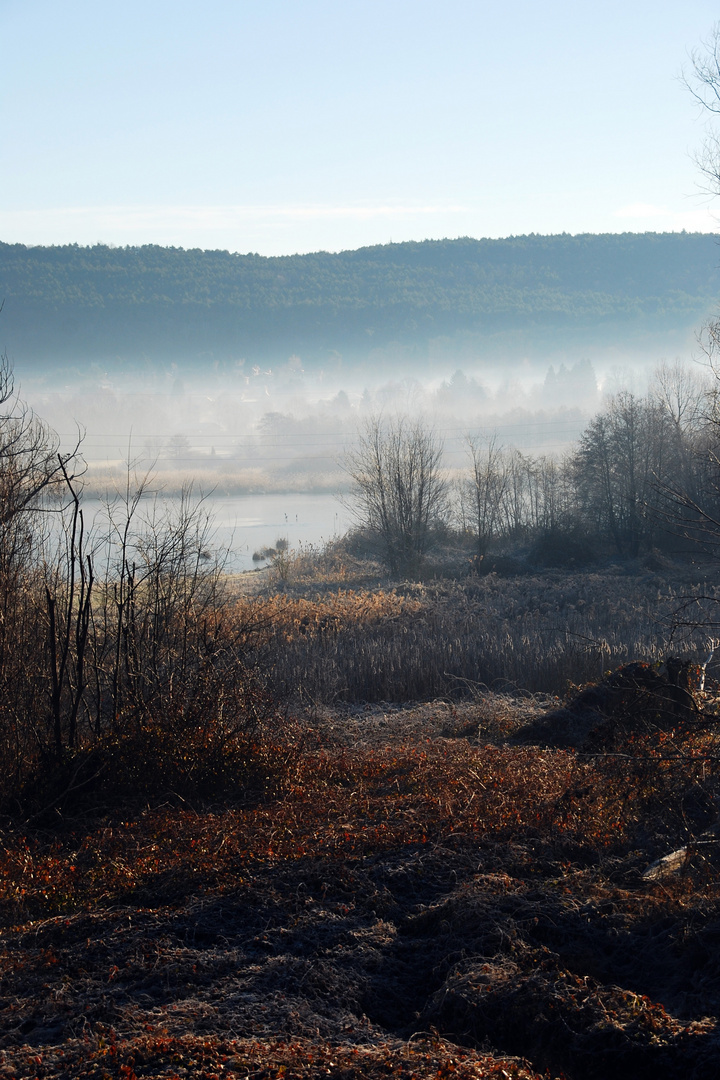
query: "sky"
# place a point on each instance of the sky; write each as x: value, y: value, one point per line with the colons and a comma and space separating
x: 283, y: 126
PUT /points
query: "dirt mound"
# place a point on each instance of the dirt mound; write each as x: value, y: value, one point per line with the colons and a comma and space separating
x: 636, y: 699
x: 571, y: 1020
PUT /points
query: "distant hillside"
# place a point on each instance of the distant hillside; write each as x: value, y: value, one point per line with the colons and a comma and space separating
x: 527, y: 294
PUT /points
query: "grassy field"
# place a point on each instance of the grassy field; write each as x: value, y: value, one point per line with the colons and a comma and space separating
x: 451, y: 866
x: 338, y: 636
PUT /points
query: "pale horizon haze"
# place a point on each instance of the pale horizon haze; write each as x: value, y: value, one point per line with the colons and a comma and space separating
x: 283, y: 127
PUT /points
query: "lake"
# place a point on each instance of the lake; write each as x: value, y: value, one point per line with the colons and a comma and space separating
x: 245, y: 523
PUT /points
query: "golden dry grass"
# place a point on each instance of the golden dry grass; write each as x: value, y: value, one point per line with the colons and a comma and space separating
x: 416, y: 642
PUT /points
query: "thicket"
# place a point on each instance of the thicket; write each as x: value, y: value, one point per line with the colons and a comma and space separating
x: 120, y: 670
x: 645, y: 474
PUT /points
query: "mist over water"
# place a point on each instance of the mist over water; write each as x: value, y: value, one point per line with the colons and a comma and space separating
x: 242, y: 525
x: 266, y: 445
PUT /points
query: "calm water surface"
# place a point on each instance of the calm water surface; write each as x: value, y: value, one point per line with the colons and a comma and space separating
x: 244, y: 523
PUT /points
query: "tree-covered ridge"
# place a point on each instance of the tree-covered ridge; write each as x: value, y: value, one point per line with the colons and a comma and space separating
x: 461, y: 273
x: 87, y: 297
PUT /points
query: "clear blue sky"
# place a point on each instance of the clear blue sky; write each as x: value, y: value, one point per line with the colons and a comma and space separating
x: 296, y: 125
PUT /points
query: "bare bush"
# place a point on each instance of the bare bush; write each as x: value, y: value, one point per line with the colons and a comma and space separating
x: 400, y: 490
x: 119, y: 668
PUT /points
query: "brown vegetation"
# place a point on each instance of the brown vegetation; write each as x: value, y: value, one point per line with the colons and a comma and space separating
x: 417, y: 641
x: 422, y: 898
x: 223, y: 851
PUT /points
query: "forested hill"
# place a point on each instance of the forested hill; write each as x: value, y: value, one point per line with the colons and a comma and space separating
x: 76, y: 304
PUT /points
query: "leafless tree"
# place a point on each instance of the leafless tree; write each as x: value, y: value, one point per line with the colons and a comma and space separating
x: 682, y: 391
x: 702, y: 79
x: 484, y: 492
x: 31, y: 468
x: 693, y: 492
x: 400, y: 490
x: 35, y: 480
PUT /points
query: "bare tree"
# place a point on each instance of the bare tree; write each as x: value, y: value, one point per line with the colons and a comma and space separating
x: 682, y: 392
x: 483, y: 494
x: 400, y: 489
x: 693, y: 492
x: 35, y: 479
x: 703, y: 81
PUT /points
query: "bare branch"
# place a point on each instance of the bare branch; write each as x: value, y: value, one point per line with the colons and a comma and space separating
x: 400, y: 489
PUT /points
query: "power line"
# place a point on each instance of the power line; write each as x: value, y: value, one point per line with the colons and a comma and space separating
x: 296, y: 437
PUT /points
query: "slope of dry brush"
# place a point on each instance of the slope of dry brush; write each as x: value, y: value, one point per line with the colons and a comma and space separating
x: 421, y: 900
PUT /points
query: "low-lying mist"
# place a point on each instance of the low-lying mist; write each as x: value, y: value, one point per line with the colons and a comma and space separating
x: 284, y: 429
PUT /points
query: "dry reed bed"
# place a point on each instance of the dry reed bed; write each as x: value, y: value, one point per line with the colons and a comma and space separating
x: 416, y: 642
x: 310, y: 476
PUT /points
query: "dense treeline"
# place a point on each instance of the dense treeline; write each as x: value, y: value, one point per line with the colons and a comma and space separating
x: 152, y: 303
x: 645, y: 473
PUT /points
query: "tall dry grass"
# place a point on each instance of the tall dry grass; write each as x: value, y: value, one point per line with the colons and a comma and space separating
x: 412, y: 642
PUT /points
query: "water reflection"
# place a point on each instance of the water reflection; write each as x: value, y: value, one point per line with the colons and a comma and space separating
x: 246, y: 523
